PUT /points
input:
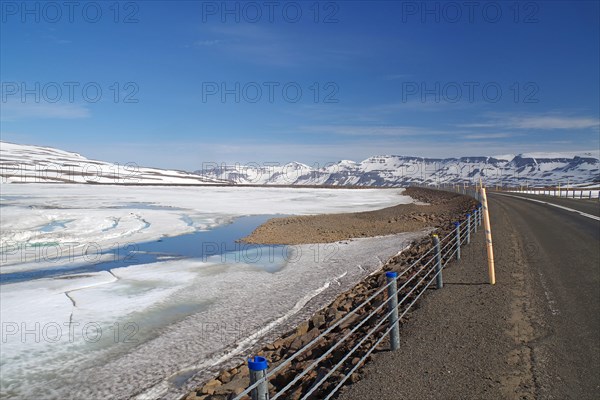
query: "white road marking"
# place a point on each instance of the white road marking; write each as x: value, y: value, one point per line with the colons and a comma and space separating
x: 553, y: 205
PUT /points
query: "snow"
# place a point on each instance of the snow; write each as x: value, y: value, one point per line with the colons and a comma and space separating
x: 181, y: 314
x: 389, y: 170
x: 347, y: 164
x: 507, y: 157
x: 23, y: 163
x: 101, y: 218
x: 563, y: 154
x: 234, y: 306
x: 36, y: 164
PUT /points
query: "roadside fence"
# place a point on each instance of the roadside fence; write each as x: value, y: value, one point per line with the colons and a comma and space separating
x: 589, y: 193
x: 592, y: 192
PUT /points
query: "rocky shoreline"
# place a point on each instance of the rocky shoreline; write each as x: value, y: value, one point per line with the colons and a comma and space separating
x: 428, y: 212
x: 442, y: 209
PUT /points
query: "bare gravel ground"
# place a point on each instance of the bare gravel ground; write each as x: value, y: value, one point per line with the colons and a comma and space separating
x: 335, y: 227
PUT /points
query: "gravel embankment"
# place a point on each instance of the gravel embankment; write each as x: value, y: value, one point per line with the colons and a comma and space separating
x: 335, y: 227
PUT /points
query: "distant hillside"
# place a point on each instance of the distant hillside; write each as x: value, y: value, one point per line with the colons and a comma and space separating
x: 24, y: 163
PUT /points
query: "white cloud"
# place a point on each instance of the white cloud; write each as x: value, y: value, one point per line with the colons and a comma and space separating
x: 477, y: 125
x: 478, y: 136
x: 553, y: 122
x: 253, y: 43
x: 271, y: 46
x: 417, y: 104
x: 202, y: 43
x: 366, y: 130
x: 16, y: 110
x: 536, y: 122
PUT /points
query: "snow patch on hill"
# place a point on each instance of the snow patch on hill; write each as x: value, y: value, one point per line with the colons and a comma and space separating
x: 27, y: 164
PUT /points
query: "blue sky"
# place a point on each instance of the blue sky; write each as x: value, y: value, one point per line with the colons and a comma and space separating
x: 175, y: 84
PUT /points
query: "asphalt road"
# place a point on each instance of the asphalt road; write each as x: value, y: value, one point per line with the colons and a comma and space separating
x: 589, y: 206
x: 533, y: 335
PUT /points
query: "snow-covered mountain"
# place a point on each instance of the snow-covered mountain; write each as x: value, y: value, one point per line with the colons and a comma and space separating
x: 533, y: 169
x: 25, y: 163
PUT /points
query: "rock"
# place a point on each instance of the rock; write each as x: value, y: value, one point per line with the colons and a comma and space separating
x: 243, y: 371
x: 296, y: 345
x: 312, y: 334
x: 211, y: 386
x: 333, y: 315
x: 218, y: 397
x: 355, y: 377
x: 347, y: 305
x: 318, y: 320
x: 295, y: 395
x: 302, y: 328
x: 225, y: 377
x: 419, y: 218
x: 238, y: 383
x: 350, y: 321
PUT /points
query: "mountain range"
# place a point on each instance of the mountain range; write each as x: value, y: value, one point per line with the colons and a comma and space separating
x: 26, y: 163
x: 532, y: 169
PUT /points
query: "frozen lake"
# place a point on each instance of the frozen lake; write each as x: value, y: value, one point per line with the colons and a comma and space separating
x: 221, y: 240
x: 120, y: 292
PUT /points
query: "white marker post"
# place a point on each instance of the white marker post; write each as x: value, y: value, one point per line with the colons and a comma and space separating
x: 488, y: 237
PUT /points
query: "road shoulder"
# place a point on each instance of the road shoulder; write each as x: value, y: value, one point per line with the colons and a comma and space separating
x: 468, y: 340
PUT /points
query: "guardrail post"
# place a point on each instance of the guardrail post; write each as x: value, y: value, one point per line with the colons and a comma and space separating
x: 480, y: 213
x: 457, y: 230
x: 439, y: 281
x: 475, y: 220
x: 392, y: 293
x: 258, y: 370
x: 393, y: 309
x: 468, y: 228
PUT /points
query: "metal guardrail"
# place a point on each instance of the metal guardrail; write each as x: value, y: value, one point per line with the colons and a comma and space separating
x: 569, y: 192
x: 564, y: 193
x: 445, y: 249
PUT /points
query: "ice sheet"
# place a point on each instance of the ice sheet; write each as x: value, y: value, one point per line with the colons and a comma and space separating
x: 173, y: 316
x: 90, y: 219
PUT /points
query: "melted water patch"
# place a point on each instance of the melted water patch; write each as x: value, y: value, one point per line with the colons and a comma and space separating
x: 55, y: 225
x: 220, y: 244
